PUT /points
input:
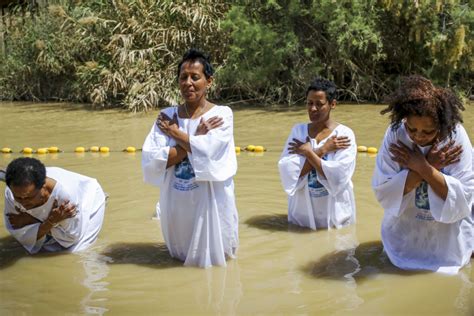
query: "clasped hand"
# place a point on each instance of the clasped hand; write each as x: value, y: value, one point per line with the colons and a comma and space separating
x: 334, y: 143
x: 21, y: 219
x: 61, y: 212
x: 168, y: 125
x: 437, y: 157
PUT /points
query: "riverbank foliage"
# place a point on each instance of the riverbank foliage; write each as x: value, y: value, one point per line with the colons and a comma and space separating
x: 124, y: 53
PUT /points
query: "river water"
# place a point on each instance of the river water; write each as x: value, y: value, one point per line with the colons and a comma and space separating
x: 280, y: 269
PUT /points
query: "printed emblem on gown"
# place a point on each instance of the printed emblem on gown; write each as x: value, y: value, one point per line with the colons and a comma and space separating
x: 422, y: 202
x: 184, y: 176
x: 316, y: 189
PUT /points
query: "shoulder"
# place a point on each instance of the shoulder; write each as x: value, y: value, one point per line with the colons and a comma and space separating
x: 342, y: 129
x: 222, y: 110
x: 170, y: 110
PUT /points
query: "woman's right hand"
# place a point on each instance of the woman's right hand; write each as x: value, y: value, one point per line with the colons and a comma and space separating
x: 440, y: 157
x: 59, y: 213
x: 335, y: 143
x: 205, y: 126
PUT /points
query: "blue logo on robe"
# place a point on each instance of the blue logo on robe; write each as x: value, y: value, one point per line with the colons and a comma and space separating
x: 184, y: 174
x: 421, y: 196
x: 316, y: 189
x: 184, y: 170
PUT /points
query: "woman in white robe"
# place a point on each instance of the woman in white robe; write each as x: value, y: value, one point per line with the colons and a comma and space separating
x: 66, y: 213
x: 190, y: 154
x: 317, y: 164
x: 424, y: 180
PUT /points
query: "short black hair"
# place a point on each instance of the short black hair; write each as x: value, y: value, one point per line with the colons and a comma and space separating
x: 25, y: 171
x: 194, y: 55
x: 321, y: 84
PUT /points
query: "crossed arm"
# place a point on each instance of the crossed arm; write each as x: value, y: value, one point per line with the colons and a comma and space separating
x: 426, y: 168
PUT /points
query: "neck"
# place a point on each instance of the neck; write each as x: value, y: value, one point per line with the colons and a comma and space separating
x: 321, y: 126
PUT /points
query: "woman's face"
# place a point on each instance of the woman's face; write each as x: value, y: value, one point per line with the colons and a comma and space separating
x: 318, y: 106
x: 29, y: 196
x: 421, y: 129
x: 193, y: 83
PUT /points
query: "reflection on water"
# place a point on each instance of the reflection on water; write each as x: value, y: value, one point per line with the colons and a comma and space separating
x: 281, y: 268
x: 96, y: 270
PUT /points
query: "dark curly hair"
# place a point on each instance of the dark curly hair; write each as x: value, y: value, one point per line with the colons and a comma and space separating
x: 194, y: 55
x: 321, y: 84
x: 25, y: 171
x: 418, y: 96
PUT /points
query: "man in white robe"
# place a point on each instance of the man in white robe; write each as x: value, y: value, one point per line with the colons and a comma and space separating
x: 420, y: 230
x: 197, y: 208
x: 83, y: 194
x: 315, y: 201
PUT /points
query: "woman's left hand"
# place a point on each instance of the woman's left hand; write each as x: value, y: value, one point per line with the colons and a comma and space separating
x: 412, y: 159
x: 166, y: 124
x: 21, y: 219
x: 206, y: 125
x: 300, y: 148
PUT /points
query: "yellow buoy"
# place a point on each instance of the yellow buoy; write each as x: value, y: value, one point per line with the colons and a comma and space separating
x: 372, y: 150
x: 94, y: 149
x: 53, y: 149
x: 250, y: 148
x: 79, y: 150
x: 362, y: 149
x: 130, y: 149
x: 259, y: 149
x: 42, y: 151
x: 27, y: 150
x: 237, y: 149
x: 6, y: 150
x: 104, y: 149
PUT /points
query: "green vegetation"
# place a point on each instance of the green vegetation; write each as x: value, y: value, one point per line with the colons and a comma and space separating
x: 124, y: 53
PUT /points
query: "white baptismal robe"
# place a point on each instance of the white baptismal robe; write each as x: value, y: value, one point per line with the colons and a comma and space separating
x: 421, y: 231
x: 197, y: 208
x: 72, y: 234
x: 314, y: 201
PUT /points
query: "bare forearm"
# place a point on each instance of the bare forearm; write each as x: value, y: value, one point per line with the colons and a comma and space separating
x: 44, y: 228
x: 175, y: 156
x: 182, y: 139
x: 307, y: 167
x: 435, y: 180
x: 316, y: 163
x: 413, y: 181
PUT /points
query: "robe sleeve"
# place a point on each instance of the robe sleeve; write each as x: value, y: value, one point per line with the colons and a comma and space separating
x: 68, y: 232
x: 155, y: 153
x: 213, y: 155
x: 388, y: 181
x: 460, y: 180
x: 339, y: 170
x: 290, y: 165
x: 25, y: 235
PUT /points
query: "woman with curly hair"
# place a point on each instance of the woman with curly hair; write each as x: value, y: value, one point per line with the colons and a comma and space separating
x: 424, y: 180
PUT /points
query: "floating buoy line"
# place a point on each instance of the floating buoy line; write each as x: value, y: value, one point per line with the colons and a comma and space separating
x: 130, y: 149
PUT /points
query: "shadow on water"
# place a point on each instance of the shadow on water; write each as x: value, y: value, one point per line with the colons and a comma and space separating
x: 361, y: 263
x: 11, y: 251
x: 277, y: 223
x: 145, y: 254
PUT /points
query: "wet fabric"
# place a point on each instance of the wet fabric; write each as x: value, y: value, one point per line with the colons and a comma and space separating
x: 72, y: 234
x: 421, y: 231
